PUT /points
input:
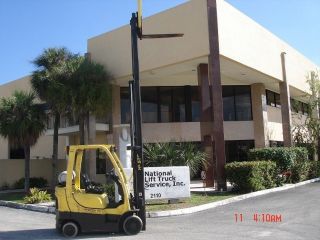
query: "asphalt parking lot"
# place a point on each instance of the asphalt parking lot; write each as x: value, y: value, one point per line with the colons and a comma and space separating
x: 291, y: 214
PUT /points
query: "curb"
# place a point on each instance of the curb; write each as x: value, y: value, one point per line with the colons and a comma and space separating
x: 183, y: 211
x: 31, y: 207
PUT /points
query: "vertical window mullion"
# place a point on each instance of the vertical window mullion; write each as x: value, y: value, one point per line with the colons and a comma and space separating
x: 234, y: 103
x: 158, y: 105
x: 188, y: 103
x: 251, y: 118
x: 172, y: 117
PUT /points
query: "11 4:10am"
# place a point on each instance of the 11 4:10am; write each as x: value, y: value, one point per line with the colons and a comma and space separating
x: 259, y: 217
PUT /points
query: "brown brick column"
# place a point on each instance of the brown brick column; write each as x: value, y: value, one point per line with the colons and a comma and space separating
x: 285, y: 105
x: 214, y: 81
x: 259, y: 115
x: 206, y: 123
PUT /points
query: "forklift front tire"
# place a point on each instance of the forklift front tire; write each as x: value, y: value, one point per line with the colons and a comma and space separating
x: 70, y: 229
x: 132, y: 225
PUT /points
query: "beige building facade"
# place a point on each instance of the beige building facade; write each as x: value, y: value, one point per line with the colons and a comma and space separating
x: 261, y: 76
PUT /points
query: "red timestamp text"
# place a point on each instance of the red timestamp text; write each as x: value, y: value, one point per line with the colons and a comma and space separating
x: 258, y: 217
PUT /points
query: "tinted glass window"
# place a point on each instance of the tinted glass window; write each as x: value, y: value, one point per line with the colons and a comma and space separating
x: 277, y: 97
x: 125, y: 105
x: 16, y: 153
x: 270, y: 98
x: 238, y: 150
x: 195, y: 104
x: 243, y: 103
x: 228, y: 103
x: 179, y: 104
x: 149, y: 104
x: 165, y: 104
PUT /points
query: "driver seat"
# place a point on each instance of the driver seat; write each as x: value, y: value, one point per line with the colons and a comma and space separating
x: 90, y: 195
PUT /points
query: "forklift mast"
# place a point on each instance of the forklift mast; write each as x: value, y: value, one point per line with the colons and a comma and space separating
x: 135, y: 99
x: 136, y: 134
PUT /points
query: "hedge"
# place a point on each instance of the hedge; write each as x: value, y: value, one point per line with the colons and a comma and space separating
x: 35, y: 182
x: 252, y: 176
x: 314, y: 170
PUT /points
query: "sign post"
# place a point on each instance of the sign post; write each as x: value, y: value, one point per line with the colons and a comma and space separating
x: 203, y: 177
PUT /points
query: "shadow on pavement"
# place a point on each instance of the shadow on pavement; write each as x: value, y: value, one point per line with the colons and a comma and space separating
x: 48, y: 234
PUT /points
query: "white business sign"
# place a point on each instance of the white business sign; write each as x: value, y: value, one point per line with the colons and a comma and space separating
x: 164, y: 182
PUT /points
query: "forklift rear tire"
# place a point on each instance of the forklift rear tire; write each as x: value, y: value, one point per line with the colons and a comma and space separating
x: 70, y: 229
x: 132, y: 225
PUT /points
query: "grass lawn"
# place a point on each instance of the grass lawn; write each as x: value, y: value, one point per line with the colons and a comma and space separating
x: 161, y: 205
x: 16, y: 197
x: 194, y: 200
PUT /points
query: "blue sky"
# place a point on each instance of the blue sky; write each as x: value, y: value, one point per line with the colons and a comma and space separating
x: 27, y: 27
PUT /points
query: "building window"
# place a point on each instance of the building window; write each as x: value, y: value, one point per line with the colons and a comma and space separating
x: 276, y: 143
x: 179, y: 104
x: 149, y: 105
x: 237, y: 103
x: 125, y: 105
x: 299, y: 107
x: 103, y: 162
x: 195, y: 104
x: 100, y: 162
x: 164, y: 104
x: 182, y: 104
x: 305, y: 108
x: 15, y: 152
x: 273, y: 99
x: 229, y: 110
x: 238, y: 150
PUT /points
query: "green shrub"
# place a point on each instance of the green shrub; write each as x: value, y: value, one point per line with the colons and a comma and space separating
x: 314, y: 169
x: 252, y: 176
x: 292, y: 162
x: 109, y: 189
x: 35, y: 182
x: 37, y: 196
x: 174, y: 154
x: 284, y: 157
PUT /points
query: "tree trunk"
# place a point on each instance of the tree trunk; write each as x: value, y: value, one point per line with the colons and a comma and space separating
x: 55, y: 150
x: 81, y: 128
x: 27, y: 169
x: 91, y: 134
x: 317, y: 150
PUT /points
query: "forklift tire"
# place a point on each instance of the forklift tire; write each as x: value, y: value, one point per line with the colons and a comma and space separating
x: 132, y: 225
x: 70, y: 229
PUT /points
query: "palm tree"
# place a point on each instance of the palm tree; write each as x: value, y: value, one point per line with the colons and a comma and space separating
x: 91, y: 95
x: 91, y: 91
x: 49, y: 83
x: 22, y: 121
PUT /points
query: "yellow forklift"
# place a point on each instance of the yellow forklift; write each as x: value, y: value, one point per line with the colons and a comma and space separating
x: 86, y: 206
